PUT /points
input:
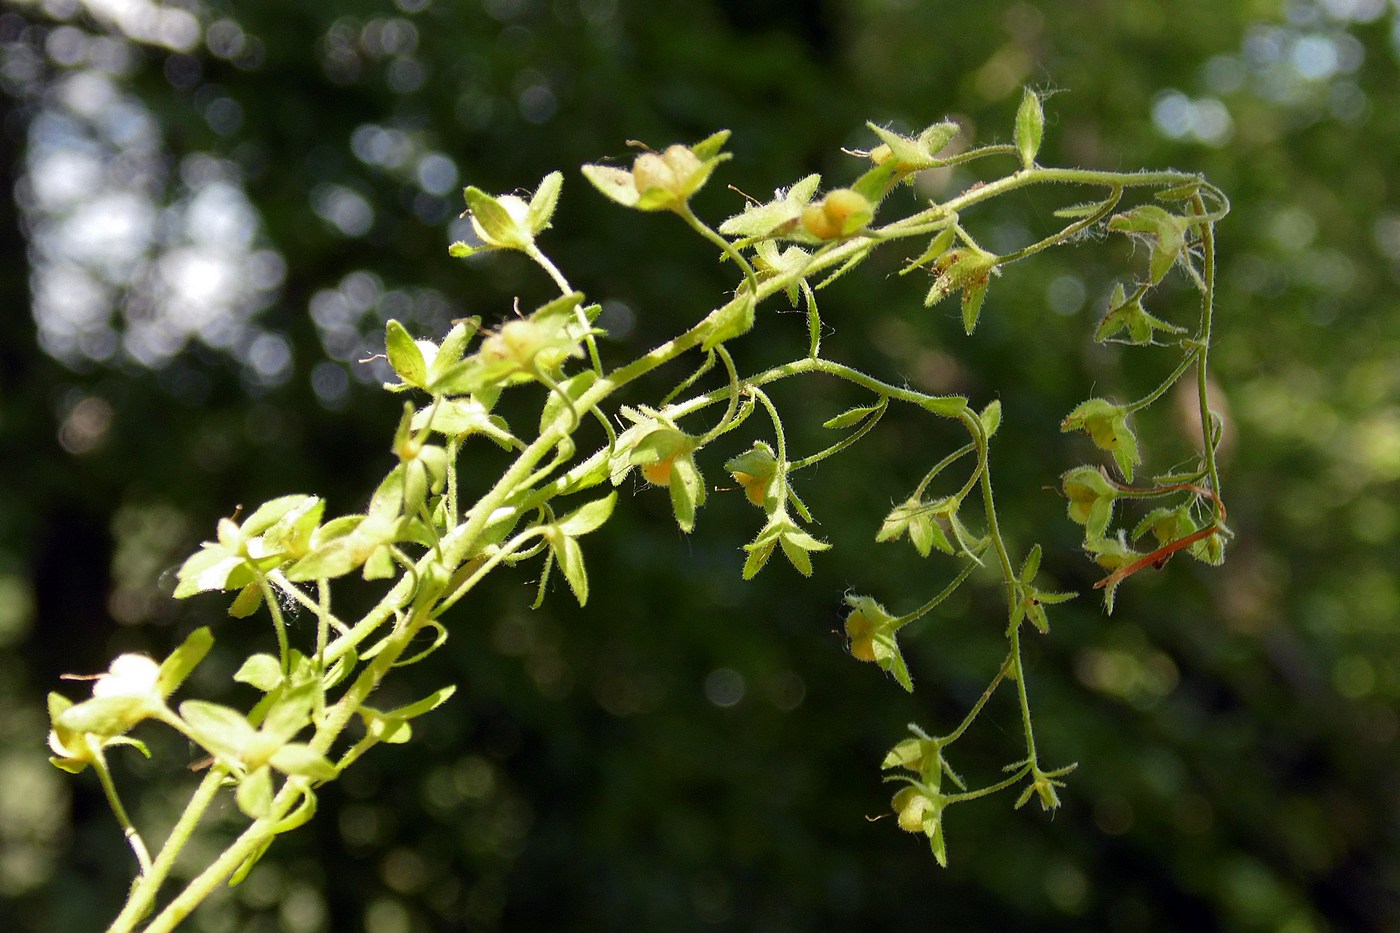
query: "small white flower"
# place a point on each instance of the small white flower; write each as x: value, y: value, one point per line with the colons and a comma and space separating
x: 130, y: 675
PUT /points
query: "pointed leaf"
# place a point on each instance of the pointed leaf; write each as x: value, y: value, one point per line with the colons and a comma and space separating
x: 588, y: 517
x: 570, y: 559
x: 615, y: 183
x: 991, y: 418
x: 1030, y: 127
x: 222, y: 730
x: 255, y: 794
x: 494, y: 221
x: 854, y: 416
x: 184, y: 659
x: 298, y: 758
x: 262, y: 671
x: 405, y: 356
x: 687, y: 489
x: 545, y: 199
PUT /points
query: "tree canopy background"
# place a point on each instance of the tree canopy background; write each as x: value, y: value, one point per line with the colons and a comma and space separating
x: 211, y: 210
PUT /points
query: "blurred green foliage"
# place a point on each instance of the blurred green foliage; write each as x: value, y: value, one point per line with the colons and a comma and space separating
x: 691, y: 752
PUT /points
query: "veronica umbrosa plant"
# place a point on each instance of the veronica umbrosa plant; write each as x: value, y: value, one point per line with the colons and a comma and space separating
x: 432, y: 540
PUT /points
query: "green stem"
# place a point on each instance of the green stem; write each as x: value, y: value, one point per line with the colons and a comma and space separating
x: 932, y: 604
x: 1166, y: 385
x: 700, y: 227
x: 1115, y: 195
x: 279, y: 625
x: 143, y: 893
x: 1019, y: 671
x: 1203, y: 354
x: 724, y: 422
x: 990, y: 788
x: 976, y: 710
x: 109, y: 787
x: 781, y: 439
x: 865, y: 428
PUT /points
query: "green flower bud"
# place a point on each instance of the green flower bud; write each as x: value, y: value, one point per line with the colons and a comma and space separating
x: 1107, y: 424
x: 841, y: 213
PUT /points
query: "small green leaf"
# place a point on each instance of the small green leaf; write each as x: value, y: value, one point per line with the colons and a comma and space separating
x: 1030, y: 127
x: 223, y: 731
x: 972, y: 298
x: 557, y: 409
x: 255, y: 794
x: 588, y: 517
x: 615, y: 183
x: 732, y: 320
x: 991, y: 418
x: 213, y: 568
x: 1079, y: 211
x: 853, y: 416
x: 246, y: 602
x: 570, y: 559
x: 184, y: 659
x: 940, y: 244
x: 262, y: 671
x: 947, y: 406
x: 430, y: 702
x: 710, y: 146
x: 109, y: 715
x: 545, y: 199
x: 298, y: 758
x: 687, y: 489
x: 494, y: 222
x: 271, y: 512
x: 405, y: 356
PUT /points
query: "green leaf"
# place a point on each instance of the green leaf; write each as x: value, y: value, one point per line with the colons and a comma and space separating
x: 588, y: 517
x: 1079, y: 211
x: 991, y: 418
x: 298, y: 758
x: 556, y: 409
x: 246, y: 602
x: 972, y: 298
x: 614, y: 183
x: 1031, y: 566
x: 430, y: 702
x: 570, y: 558
x: 874, y: 185
x: 271, y: 512
x: 107, y: 716
x: 405, y: 356
x: 853, y: 416
x: 494, y: 222
x: 940, y: 244
x: 732, y: 320
x: 545, y: 199
x: 291, y: 534
x: 902, y: 148
x: 213, y: 568
x: 710, y: 146
x: 292, y: 712
x: 184, y: 659
x: 262, y: 671
x: 223, y: 731
x: 947, y: 406
x: 1030, y: 127
x: 255, y: 794
x: 687, y: 489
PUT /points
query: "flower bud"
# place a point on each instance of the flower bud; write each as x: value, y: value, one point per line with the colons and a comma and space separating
x: 861, y: 631
x: 912, y: 806
x: 841, y: 213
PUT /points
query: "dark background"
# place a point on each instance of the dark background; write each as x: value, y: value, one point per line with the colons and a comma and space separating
x: 212, y: 208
